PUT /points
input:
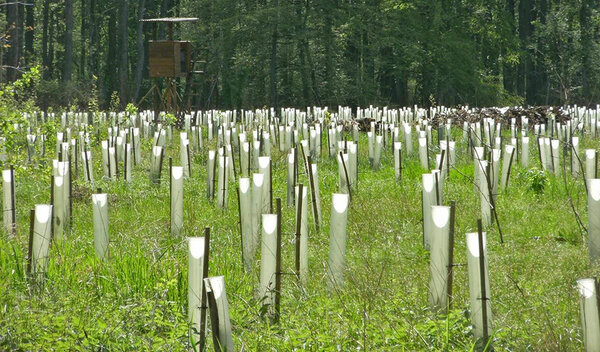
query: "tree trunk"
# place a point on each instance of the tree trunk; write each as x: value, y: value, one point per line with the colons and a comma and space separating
x: 45, y: 39
x: 124, y: 53
x: 328, y: 34
x: 29, y: 25
x: 508, y: 70
x: 68, y: 40
x: 111, y: 57
x: 140, y: 50
x: 585, y: 14
x: 82, y: 52
x: 273, y: 64
x: 14, y: 50
x: 51, y: 37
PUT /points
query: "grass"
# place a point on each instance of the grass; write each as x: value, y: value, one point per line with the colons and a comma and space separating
x: 137, y: 299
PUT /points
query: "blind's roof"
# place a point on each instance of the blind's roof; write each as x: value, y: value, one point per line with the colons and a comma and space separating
x: 171, y: 19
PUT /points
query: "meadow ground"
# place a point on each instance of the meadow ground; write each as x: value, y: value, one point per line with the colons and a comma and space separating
x: 137, y: 299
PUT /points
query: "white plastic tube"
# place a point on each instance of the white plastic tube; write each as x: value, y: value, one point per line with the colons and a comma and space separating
x: 246, y: 223
x: 60, y: 214
x: 210, y: 174
x: 429, y: 198
x: 196, y: 253
x: 176, y: 200
x: 268, y: 261
x: 590, y: 316
x: 221, y: 325
x: 397, y: 160
x: 555, y: 150
x: 593, y: 186
x: 439, y: 259
x: 257, y: 186
x: 525, y: 151
x: 264, y: 167
x: 590, y: 163
x: 475, y: 292
x: 337, y: 239
x: 303, y: 232
x: 423, y: 153
x: 101, y: 230
x: 155, y: 163
x: 184, y: 145
x: 42, y: 230
x: 377, y: 152
x: 222, y: 181
x: 342, y: 161
x: 507, y: 161
x: 575, y: 157
x: 484, y: 192
x: 291, y: 169
x: 7, y: 199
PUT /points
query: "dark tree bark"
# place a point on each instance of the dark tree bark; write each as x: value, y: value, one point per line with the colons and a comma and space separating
x: 273, y: 59
x: 585, y: 14
x: 123, y: 53
x: 139, y: 70
x: 508, y: 70
x: 51, y: 40
x: 68, y: 40
x: 14, y: 50
x: 525, y: 86
x: 95, y: 45
x: 45, y: 39
x: 83, y: 45
x: 29, y: 29
x: 112, y: 59
x: 328, y: 42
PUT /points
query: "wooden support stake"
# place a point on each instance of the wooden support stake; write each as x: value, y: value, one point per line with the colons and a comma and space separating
x: 170, y: 194
x: 271, y: 186
x: 451, y: 253
x: 298, y: 227
x: 162, y: 157
x: 312, y: 192
x: 203, y: 304
x: 70, y: 194
x: 237, y: 189
x: 13, y: 212
x: 30, y: 245
x: 278, y: 264
x: 346, y: 175
x: 482, y: 280
x: 189, y: 160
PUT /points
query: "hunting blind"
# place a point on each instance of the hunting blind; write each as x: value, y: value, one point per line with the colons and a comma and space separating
x: 170, y: 60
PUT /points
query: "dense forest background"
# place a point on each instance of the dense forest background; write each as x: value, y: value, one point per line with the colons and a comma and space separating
x: 315, y: 52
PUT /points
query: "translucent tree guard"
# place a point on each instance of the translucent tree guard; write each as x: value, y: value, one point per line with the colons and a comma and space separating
x: 303, y: 274
x: 257, y: 194
x: 177, y: 174
x: 219, y: 313
x: 590, y: 316
x: 7, y: 199
x: 477, y: 302
x: 439, y: 259
x: 429, y: 198
x: 196, y: 253
x: 42, y: 231
x: 264, y: 167
x: 337, y: 239
x: 590, y: 164
x: 593, y: 186
x: 101, y: 229
x: 268, y: 261
x: 246, y: 223
x: 525, y: 151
